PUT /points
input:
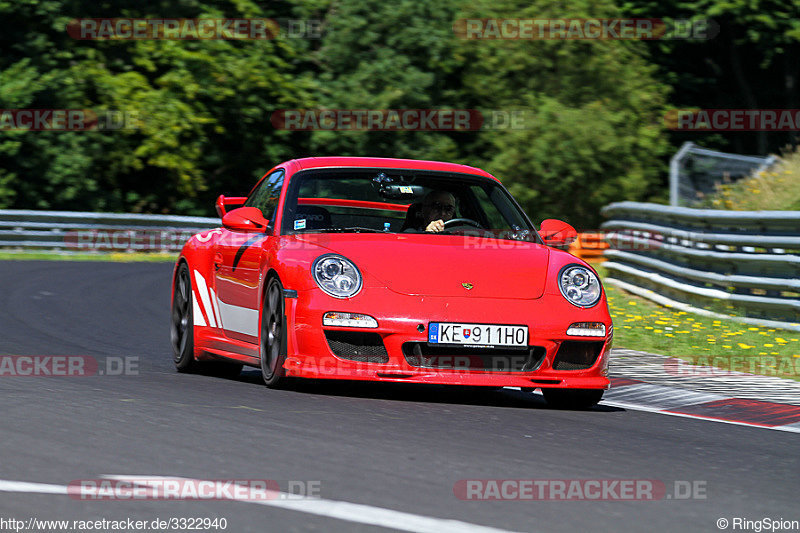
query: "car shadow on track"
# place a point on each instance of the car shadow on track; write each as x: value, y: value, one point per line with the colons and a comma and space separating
x: 415, y: 392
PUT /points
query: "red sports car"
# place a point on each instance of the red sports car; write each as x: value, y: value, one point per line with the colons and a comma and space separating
x: 390, y: 270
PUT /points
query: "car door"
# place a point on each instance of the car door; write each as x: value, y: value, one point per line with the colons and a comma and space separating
x: 237, y: 265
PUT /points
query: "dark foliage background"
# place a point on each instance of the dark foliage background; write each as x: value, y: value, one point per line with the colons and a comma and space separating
x: 594, y: 132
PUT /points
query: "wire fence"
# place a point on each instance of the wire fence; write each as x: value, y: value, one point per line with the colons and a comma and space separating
x: 695, y: 173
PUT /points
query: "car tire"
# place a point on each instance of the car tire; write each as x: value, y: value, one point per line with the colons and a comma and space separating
x: 272, y: 335
x: 182, y: 322
x: 182, y: 333
x: 572, y: 398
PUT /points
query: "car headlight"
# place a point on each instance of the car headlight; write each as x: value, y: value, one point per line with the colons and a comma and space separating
x: 336, y: 275
x: 579, y: 285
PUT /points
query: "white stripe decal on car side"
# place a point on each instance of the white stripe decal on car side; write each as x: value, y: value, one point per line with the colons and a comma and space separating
x: 214, y: 300
x: 202, y: 289
x: 197, y: 315
x: 239, y: 319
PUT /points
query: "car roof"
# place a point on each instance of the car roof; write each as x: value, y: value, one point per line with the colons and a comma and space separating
x: 387, y: 162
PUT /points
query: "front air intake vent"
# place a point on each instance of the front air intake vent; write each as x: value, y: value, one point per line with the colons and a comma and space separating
x: 362, y: 346
x: 577, y: 355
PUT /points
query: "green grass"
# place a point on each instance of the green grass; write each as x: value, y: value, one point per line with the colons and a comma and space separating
x: 640, y: 324
x: 115, y: 257
x: 774, y: 189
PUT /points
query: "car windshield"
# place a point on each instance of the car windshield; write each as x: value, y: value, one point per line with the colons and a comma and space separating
x: 401, y: 201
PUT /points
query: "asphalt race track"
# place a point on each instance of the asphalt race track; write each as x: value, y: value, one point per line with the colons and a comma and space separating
x: 397, y: 448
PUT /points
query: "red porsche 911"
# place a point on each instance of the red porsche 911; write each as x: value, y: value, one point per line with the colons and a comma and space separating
x: 390, y: 270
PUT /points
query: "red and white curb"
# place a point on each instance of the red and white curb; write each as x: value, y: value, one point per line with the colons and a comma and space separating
x: 639, y: 396
x: 649, y: 382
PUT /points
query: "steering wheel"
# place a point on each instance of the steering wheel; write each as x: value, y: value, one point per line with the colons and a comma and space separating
x: 461, y: 222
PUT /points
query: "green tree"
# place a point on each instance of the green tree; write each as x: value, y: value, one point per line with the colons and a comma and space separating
x: 751, y: 63
x: 593, y: 129
x: 201, y: 109
x: 388, y: 55
x: 594, y: 108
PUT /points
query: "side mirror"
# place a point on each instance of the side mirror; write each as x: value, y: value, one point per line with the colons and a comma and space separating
x: 245, y: 219
x: 557, y: 233
x: 226, y: 203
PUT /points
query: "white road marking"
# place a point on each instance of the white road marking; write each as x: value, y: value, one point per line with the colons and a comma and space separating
x: 789, y: 428
x: 634, y: 407
x: 25, y: 486
x: 347, y: 511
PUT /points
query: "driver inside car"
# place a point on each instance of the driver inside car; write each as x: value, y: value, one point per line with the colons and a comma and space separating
x: 437, y: 208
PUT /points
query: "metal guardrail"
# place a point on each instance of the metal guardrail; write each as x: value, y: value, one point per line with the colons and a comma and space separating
x: 75, y: 232
x: 709, y: 259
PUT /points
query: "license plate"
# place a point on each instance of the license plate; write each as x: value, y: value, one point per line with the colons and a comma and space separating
x: 477, y: 334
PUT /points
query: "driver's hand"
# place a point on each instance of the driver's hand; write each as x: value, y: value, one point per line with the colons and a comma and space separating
x: 436, y: 226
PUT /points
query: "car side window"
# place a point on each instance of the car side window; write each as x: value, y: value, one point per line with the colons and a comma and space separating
x: 493, y: 216
x: 266, y: 195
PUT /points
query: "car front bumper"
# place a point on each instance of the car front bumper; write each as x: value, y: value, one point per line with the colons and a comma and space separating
x: 403, y: 320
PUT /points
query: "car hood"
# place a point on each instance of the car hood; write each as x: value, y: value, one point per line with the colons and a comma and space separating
x: 444, y: 265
